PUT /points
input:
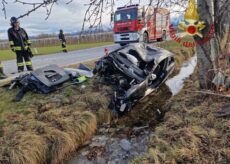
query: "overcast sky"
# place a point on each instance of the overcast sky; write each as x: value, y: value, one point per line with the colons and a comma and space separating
x: 67, y: 17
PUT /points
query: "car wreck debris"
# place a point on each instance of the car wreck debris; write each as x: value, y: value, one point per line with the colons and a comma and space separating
x: 49, y: 79
x: 82, y: 70
x: 135, y: 71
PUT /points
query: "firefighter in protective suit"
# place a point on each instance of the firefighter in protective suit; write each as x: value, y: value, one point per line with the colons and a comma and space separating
x: 62, y: 40
x: 20, y: 44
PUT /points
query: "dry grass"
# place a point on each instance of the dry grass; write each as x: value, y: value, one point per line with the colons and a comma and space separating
x: 23, y: 147
x: 190, y: 132
x: 49, y: 137
x: 48, y: 129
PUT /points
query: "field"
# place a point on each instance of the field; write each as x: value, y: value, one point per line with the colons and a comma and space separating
x: 50, y: 128
x: 8, y: 54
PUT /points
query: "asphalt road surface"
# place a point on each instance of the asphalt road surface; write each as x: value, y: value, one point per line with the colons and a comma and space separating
x: 61, y: 59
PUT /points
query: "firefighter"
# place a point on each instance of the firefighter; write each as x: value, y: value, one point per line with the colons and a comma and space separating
x: 20, y: 44
x: 62, y: 40
x: 2, y: 75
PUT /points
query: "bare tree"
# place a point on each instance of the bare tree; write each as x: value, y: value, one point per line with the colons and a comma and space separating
x: 214, y: 12
x: 48, y: 4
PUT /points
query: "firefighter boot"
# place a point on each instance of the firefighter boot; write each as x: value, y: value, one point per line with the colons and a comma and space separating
x: 27, y: 58
x: 29, y: 65
x: 64, y: 49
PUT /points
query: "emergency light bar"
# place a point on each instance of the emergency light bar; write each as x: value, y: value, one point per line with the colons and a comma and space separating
x: 128, y: 6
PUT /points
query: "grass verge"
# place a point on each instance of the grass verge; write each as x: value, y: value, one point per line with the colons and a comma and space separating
x: 8, y: 54
x: 49, y: 128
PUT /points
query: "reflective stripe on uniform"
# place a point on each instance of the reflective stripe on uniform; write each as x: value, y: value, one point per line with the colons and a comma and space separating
x: 29, y: 63
x: 17, y: 48
x: 20, y: 64
x: 29, y: 41
x: 11, y: 43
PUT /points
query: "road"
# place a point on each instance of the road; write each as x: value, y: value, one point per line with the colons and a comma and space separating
x: 61, y: 59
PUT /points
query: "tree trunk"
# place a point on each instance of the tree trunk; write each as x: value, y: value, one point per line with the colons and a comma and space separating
x: 222, y: 21
x: 205, y: 52
x: 212, y: 12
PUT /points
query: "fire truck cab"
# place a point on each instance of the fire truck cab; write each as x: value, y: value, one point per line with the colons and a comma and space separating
x: 137, y: 23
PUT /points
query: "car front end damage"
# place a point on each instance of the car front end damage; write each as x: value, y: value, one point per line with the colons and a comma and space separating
x: 135, y: 71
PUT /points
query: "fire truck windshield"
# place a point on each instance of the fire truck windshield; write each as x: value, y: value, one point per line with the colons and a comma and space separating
x: 125, y: 15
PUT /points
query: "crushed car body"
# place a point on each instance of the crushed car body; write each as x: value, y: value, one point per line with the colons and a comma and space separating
x: 135, y: 71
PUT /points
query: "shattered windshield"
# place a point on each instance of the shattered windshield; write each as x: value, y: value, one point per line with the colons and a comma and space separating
x: 125, y: 15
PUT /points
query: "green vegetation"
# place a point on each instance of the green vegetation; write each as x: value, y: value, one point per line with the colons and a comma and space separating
x: 49, y: 128
x: 8, y: 54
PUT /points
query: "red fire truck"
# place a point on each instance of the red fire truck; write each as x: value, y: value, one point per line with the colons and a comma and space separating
x: 137, y: 23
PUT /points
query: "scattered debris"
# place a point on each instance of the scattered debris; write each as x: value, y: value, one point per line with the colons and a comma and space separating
x: 49, y: 79
x: 82, y: 70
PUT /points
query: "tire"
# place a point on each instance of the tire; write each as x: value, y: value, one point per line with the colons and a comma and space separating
x: 164, y: 37
x: 122, y: 44
x: 145, y: 37
x: 159, y: 39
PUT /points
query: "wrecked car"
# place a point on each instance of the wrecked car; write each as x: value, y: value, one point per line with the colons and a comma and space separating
x: 135, y: 71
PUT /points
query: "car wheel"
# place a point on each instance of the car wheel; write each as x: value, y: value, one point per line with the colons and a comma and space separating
x: 159, y: 39
x: 164, y: 36
x: 123, y: 44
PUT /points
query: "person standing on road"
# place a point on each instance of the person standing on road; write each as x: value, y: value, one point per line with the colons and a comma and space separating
x: 20, y: 44
x: 62, y: 40
x: 2, y: 75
